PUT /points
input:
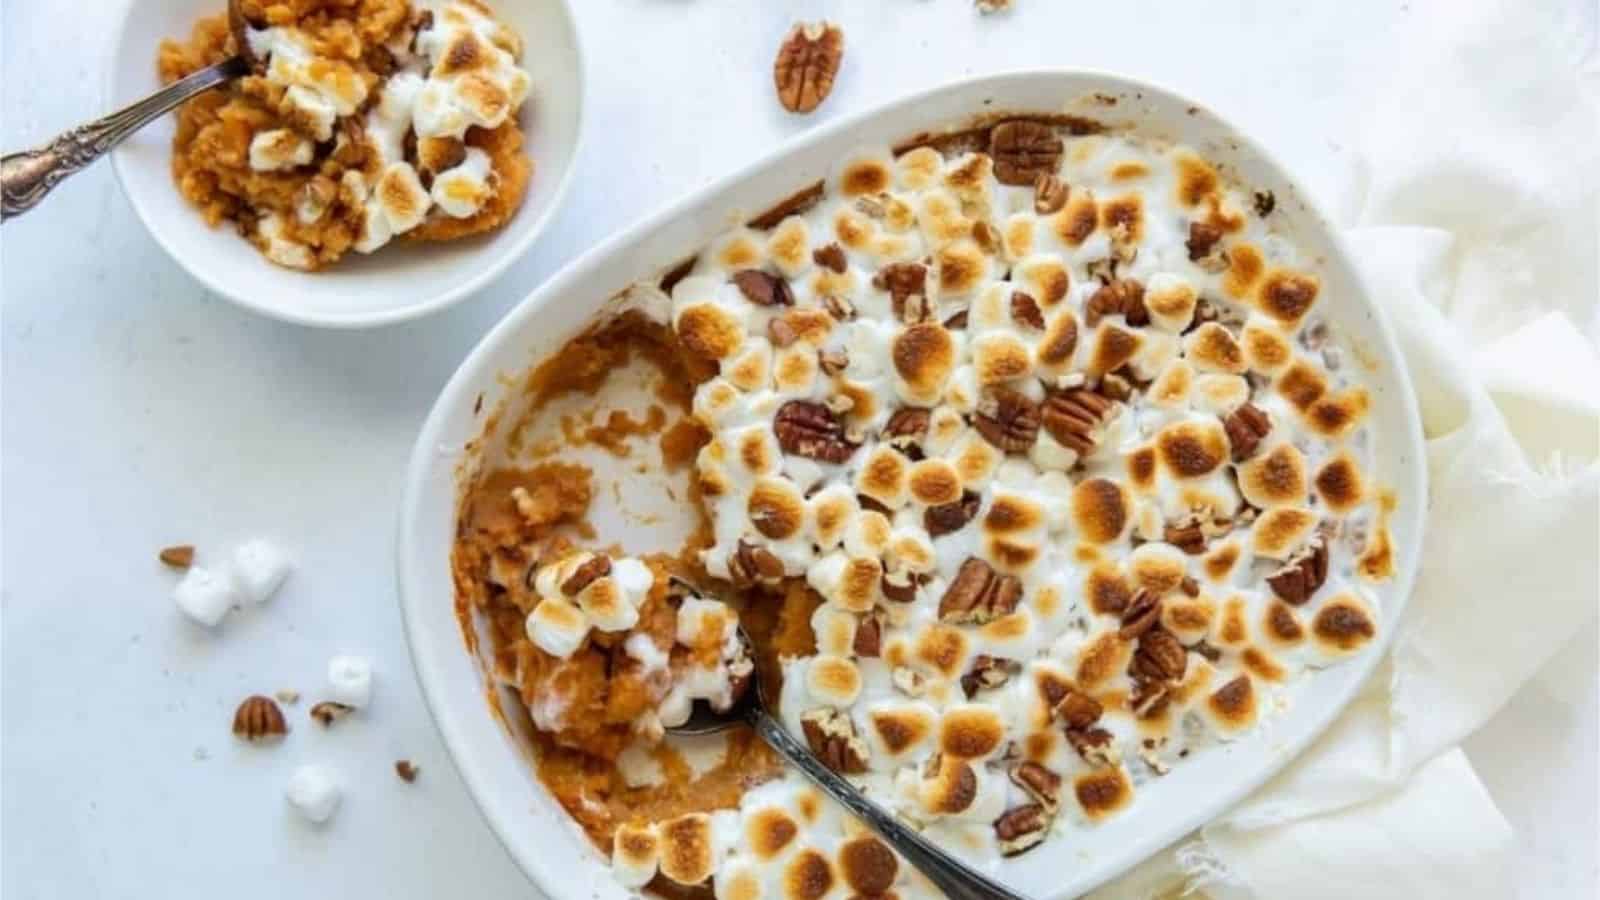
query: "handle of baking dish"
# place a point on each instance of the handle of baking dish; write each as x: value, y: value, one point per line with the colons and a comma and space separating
x: 956, y: 879
x: 25, y: 177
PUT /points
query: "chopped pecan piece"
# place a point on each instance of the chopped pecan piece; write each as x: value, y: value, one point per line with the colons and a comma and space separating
x: 1160, y: 657
x: 832, y: 362
x: 900, y: 586
x: 1246, y: 426
x: 950, y: 517
x: 1038, y: 782
x: 1023, y: 150
x: 1078, y: 710
x: 868, y: 641
x: 1049, y: 194
x: 1189, y: 586
x: 1075, y: 417
x: 780, y: 332
x: 1021, y: 829
x: 806, y: 65
x: 1150, y: 698
x: 957, y: 322
x: 1187, y: 536
x: 1008, y: 420
x: 1120, y: 296
x: 1095, y: 745
x: 810, y: 429
x: 904, y: 280
x: 830, y: 256
x: 906, y: 428
x: 594, y: 567
x: 1143, y: 611
x: 754, y: 564
x: 763, y: 288
x: 987, y: 673
x: 1264, y: 202
x: 330, y: 711
x: 832, y: 737
x: 979, y: 595
x: 1025, y: 311
x: 1205, y: 649
x: 1203, y: 238
x: 841, y: 309
x: 1300, y: 577
x: 1115, y: 387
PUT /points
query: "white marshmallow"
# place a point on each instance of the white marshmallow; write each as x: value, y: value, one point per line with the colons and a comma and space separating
x: 462, y: 190
x: 259, y: 568
x: 205, y: 596
x: 557, y: 627
x: 350, y: 680
x: 277, y: 149
x: 314, y: 793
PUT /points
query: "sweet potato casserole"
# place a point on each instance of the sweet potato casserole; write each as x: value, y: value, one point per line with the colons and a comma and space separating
x: 1025, y: 458
x: 365, y: 120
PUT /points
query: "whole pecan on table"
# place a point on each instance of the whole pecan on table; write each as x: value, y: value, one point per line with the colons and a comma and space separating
x: 1023, y: 150
x: 832, y: 737
x: 979, y: 595
x: 753, y: 564
x: 258, y: 718
x: 1049, y: 193
x: 1246, y: 426
x: 1300, y: 577
x: 808, y: 60
x: 1074, y: 417
x: 1119, y: 296
x: 1008, y: 420
x: 763, y: 288
x: 810, y: 429
x: 950, y: 517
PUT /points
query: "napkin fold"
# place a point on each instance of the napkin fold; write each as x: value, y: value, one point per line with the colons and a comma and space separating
x: 1477, y: 229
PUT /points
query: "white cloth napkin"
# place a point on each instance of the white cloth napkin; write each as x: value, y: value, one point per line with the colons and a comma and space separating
x: 1477, y: 220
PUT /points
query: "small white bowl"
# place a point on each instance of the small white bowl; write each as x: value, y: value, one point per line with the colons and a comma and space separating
x: 399, y: 282
x: 493, y: 755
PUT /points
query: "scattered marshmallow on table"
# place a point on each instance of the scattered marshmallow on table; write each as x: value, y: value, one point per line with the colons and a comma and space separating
x: 205, y: 596
x: 350, y: 680
x: 313, y: 792
x: 260, y: 567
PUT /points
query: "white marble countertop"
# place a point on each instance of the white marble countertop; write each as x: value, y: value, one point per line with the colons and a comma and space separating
x: 141, y: 411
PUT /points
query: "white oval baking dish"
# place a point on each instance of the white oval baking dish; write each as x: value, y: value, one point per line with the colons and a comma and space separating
x: 494, y: 760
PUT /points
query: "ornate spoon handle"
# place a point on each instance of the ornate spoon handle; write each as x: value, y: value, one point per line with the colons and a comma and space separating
x: 27, y: 176
x: 951, y: 875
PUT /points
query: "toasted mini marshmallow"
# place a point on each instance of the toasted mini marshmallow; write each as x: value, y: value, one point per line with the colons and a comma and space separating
x: 1287, y: 296
x: 1171, y: 388
x: 1339, y: 483
x: 350, y: 680
x: 867, y: 534
x: 898, y: 732
x: 1192, y: 448
x: 557, y: 627
x: 924, y: 355
x: 1279, y: 531
x: 776, y: 509
x: 1158, y: 567
x: 277, y: 149
x: 635, y: 851
x: 1335, y: 415
x: 1000, y: 357
x: 1220, y: 395
x: 789, y: 246
x: 833, y: 680
x: 1102, y: 793
x: 461, y: 191
x: 259, y: 568
x: 830, y: 512
x: 205, y: 596
x: 1170, y: 300
x: 919, y: 168
x: 1111, y: 347
x: 1188, y: 618
x: 1232, y: 708
x: 959, y: 267
x: 835, y: 630
x: 1213, y: 348
x: 401, y: 197
x: 687, y: 851
x: 956, y: 789
x: 314, y: 793
x: 1100, y: 510
x: 1342, y: 626
x: 971, y: 731
x: 709, y: 327
x: 1276, y: 477
x: 884, y: 476
x: 1266, y: 349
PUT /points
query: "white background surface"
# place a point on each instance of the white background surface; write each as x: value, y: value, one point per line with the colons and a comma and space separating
x: 139, y: 411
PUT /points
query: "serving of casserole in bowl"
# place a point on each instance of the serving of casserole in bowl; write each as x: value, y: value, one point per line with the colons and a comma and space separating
x: 1038, y: 431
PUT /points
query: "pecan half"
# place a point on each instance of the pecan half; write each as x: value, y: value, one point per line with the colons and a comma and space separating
x: 810, y: 429
x: 753, y: 564
x: 987, y: 673
x: 1078, y: 710
x: 1187, y: 536
x: 1095, y: 745
x: 1143, y: 611
x: 1160, y: 657
x: 1008, y: 420
x: 1150, y: 698
x: 868, y: 643
x: 841, y: 309
x: 832, y: 737
x: 1075, y: 417
x: 763, y: 288
x: 906, y: 428
x: 1120, y: 296
x: 1021, y: 829
x: 178, y: 557
x: 1038, y: 782
x: 949, y: 517
x: 594, y: 567
x: 830, y: 256
x: 1025, y: 311
x: 979, y: 594
x: 1049, y: 194
x: 904, y: 280
x: 806, y: 65
x: 1300, y: 577
x: 780, y: 332
x: 258, y: 718
x: 1246, y: 426
x: 1203, y: 238
x: 1023, y: 150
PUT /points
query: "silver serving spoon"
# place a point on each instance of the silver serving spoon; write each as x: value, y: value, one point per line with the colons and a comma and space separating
x: 955, y: 878
x: 25, y: 177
